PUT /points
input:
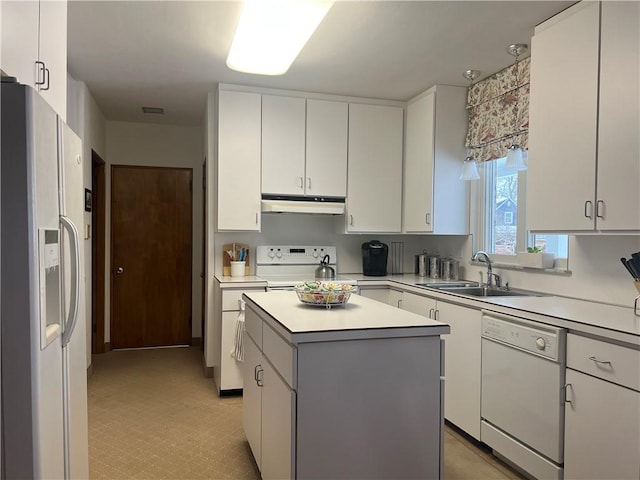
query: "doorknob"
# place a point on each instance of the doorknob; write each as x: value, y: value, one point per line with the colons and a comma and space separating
x: 119, y: 270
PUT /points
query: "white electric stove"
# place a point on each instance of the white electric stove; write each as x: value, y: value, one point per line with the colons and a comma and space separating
x: 284, y: 266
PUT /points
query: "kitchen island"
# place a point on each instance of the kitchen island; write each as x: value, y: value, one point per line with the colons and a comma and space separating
x: 350, y: 392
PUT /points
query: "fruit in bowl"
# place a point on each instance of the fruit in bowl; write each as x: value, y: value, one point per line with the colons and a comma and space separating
x: 324, y: 293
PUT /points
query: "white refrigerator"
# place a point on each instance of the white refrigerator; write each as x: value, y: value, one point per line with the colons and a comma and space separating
x: 43, y: 336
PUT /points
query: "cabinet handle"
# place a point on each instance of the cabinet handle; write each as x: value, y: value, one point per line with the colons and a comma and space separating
x: 350, y: 219
x: 256, y: 218
x: 566, y: 392
x: 300, y: 182
x: 257, y: 371
x: 437, y: 315
x: 599, y: 211
x: 427, y: 218
x: 588, y: 209
x: 41, y: 68
x: 309, y: 183
x: 400, y: 303
x: 46, y: 76
x: 603, y: 362
x: 431, y: 312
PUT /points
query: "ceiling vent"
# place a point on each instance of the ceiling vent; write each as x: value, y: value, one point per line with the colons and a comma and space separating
x: 154, y: 110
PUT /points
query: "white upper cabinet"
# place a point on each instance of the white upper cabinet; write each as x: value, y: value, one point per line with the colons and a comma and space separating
x: 618, y: 181
x: 584, y: 173
x: 34, y: 32
x: 283, y: 145
x: 238, y: 161
x: 304, y: 147
x: 326, y: 159
x: 374, y: 190
x: 435, y: 200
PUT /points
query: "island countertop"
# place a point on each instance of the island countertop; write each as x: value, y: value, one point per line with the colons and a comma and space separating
x: 359, y: 318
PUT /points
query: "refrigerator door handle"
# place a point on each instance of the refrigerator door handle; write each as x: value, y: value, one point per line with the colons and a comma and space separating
x: 70, y: 324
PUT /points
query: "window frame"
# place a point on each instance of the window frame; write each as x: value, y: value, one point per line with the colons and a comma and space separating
x: 482, y: 190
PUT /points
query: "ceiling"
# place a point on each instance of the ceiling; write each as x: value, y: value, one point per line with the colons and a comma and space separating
x: 171, y: 53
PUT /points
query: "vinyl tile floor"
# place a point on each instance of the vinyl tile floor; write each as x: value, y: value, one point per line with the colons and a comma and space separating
x: 154, y: 415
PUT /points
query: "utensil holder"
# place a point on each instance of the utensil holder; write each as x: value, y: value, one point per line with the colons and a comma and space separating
x: 237, y: 269
x: 636, y: 302
x: 397, y: 258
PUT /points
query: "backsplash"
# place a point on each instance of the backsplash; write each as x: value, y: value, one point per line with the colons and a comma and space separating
x: 304, y: 229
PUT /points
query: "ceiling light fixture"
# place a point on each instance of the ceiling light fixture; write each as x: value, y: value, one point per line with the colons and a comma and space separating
x: 515, y: 158
x: 271, y: 34
x: 470, y: 166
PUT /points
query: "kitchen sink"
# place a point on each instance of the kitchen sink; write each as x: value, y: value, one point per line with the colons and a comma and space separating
x: 448, y: 284
x: 486, y: 291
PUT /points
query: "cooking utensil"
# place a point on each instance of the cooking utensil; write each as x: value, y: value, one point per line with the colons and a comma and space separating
x: 628, y: 267
x: 635, y: 269
x: 325, y: 271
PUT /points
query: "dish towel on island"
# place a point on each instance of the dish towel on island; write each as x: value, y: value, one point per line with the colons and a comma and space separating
x: 238, y: 346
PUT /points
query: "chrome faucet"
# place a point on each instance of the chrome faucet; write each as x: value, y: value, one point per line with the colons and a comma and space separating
x: 476, y: 258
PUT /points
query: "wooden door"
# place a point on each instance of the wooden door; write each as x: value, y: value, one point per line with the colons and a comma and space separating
x: 151, y: 252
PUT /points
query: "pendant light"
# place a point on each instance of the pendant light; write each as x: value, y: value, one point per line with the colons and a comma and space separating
x: 515, y: 160
x: 470, y: 166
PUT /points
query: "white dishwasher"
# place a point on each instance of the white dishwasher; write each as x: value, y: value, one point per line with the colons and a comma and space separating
x: 522, y: 401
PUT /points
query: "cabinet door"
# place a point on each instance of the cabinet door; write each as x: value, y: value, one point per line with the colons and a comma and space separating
x: 19, y: 46
x: 278, y: 427
x: 230, y: 368
x: 618, y: 188
x: 252, y: 398
x: 378, y: 294
x: 52, y: 50
x: 238, y: 161
x: 395, y: 298
x: 283, y: 145
x: 418, y: 304
x: 326, y: 159
x: 602, y: 429
x: 563, y: 121
x: 462, y: 367
x: 418, y: 178
x: 374, y: 191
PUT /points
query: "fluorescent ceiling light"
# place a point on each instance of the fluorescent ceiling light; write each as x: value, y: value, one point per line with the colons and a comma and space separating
x: 271, y: 34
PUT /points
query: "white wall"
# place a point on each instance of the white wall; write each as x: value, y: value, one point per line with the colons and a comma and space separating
x: 85, y: 118
x: 159, y: 146
x: 596, y: 271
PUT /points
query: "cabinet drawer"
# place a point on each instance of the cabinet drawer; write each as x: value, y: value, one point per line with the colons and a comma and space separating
x: 281, y: 355
x: 230, y: 298
x: 253, y: 326
x: 604, y: 360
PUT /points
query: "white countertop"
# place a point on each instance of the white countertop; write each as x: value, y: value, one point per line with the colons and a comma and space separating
x: 360, y: 318
x: 615, y: 322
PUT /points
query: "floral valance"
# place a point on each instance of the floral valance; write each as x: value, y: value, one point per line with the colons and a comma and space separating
x: 491, y: 104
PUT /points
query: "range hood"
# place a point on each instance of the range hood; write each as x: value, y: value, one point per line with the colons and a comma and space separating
x: 295, y: 204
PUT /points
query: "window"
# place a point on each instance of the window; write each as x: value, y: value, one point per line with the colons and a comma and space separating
x: 501, y: 213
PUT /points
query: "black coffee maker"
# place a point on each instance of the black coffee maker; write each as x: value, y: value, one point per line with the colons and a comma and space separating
x: 374, y: 258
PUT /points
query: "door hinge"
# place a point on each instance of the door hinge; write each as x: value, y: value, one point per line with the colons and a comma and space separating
x: 190, y: 185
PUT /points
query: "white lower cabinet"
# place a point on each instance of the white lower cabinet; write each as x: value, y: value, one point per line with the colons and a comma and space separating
x: 419, y: 305
x: 462, y: 366
x: 252, y: 397
x: 278, y: 425
x: 378, y: 294
x: 602, y: 430
x: 602, y: 418
x: 227, y: 371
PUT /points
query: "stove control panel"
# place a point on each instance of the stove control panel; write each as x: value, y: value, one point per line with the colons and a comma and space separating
x: 293, y: 255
